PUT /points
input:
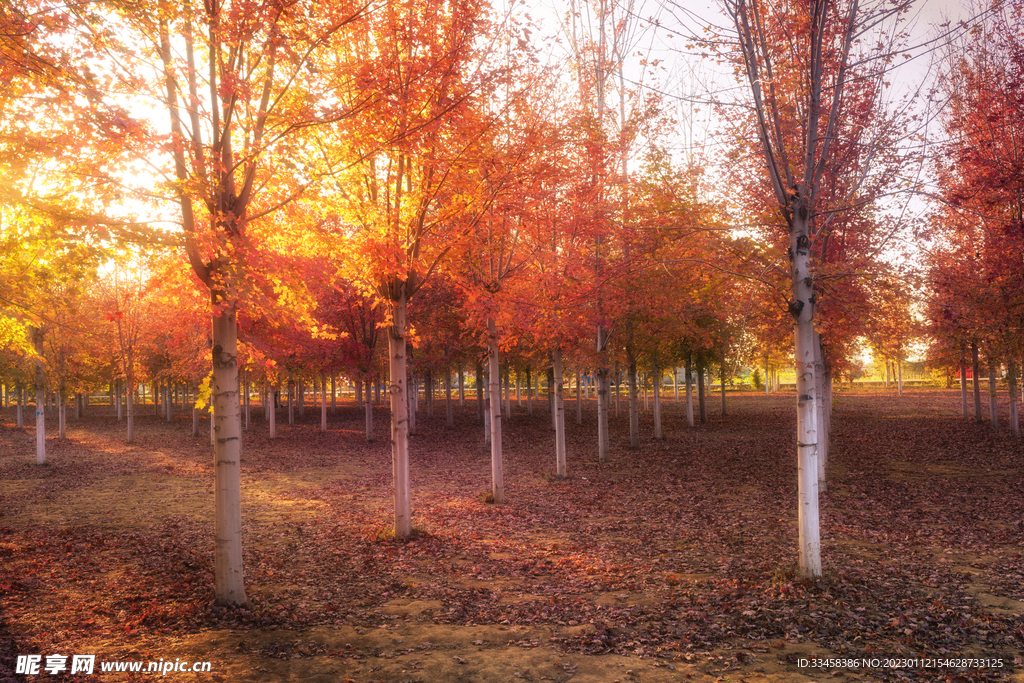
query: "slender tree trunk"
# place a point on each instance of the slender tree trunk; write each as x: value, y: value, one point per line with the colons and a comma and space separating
x: 118, y: 404
x: 689, y: 392
x: 480, y: 393
x: 37, y: 341
x: 993, y: 398
x: 899, y: 374
x: 529, y: 391
x: 603, y: 441
x: 519, y: 394
x: 975, y: 367
x: 291, y: 400
x: 675, y: 384
x: 809, y: 528
x: 462, y: 387
x: 272, y: 426
x: 634, y: 401
x: 400, y: 417
x: 334, y: 394
x: 449, y: 409
x: 497, y: 471
x: 557, y: 394
x: 657, y: 401
x: 368, y: 417
x: 168, y: 404
x: 229, y: 585
x: 618, y: 389
x: 963, y: 381
x: 579, y: 396
x: 21, y: 407
x: 701, y: 385
x: 1011, y: 380
x: 323, y: 402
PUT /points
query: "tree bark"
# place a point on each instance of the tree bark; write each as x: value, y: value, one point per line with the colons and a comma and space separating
x: 229, y: 585
x: 37, y: 341
x: 462, y: 387
x: 449, y: 409
x: 993, y: 398
x: 975, y: 366
x: 480, y: 392
x: 272, y: 420
x: 1011, y: 380
x: 701, y: 402
x: 657, y: 401
x: 634, y: 407
x: 963, y: 381
x: 399, y: 416
x: 558, y: 412
x: 497, y: 471
x: 689, y: 392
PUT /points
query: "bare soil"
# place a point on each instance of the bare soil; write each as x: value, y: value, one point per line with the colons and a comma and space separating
x: 673, y: 562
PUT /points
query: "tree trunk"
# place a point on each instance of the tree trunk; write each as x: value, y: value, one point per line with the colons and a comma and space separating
x: 963, y: 381
x: 21, y: 407
x: 323, y: 403
x: 37, y: 341
x: 334, y: 394
x: 529, y: 391
x: 291, y: 400
x: 634, y: 407
x: 1011, y: 380
x: 618, y: 389
x: 368, y: 417
x: 657, y: 401
x: 802, y: 307
x: 487, y: 409
x: 229, y: 585
x: 462, y: 387
x: 129, y: 400
x: 993, y: 399
x: 675, y: 384
x: 557, y: 394
x: 480, y: 393
x: 977, y: 385
x: 579, y: 396
x: 400, y: 417
x: 497, y: 472
x: 689, y: 392
x: 449, y: 409
x: 701, y: 402
x: 519, y: 393
x: 899, y: 375
x: 273, y: 413
x: 602, y: 408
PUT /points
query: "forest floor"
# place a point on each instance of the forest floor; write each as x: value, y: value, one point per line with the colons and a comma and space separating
x: 673, y: 562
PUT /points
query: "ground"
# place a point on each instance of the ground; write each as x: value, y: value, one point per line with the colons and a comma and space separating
x: 673, y: 562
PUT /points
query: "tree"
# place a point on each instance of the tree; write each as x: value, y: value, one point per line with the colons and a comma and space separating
x: 811, y: 86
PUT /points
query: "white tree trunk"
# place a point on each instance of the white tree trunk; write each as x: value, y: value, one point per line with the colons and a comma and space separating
x: 975, y: 381
x: 399, y: 417
x: 657, y: 401
x: 559, y: 413
x: 603, y: 441
x: 579, y: 396
x: 272, y: 420
x: 323, y: 402
x: 963, y: 385
x: 1012, y: 382
x: 993, y: 398
x: 802, y: 306
x: 689, y: 393
x: 117, y: 400
x: 449, y: 409
x: 497, y: 472
x: 37, y: 340
x: 634, y: 408
x: 229, y: 585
